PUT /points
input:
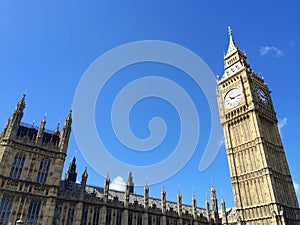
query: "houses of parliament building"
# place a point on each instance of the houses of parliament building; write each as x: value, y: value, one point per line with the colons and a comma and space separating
x: 32, y: 160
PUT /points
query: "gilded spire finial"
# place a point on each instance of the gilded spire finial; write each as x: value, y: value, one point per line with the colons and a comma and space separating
x: 44, y: 119
x: 56, y: 131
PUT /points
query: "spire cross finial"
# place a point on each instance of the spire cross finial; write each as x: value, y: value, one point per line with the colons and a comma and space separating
x: 229, y: 31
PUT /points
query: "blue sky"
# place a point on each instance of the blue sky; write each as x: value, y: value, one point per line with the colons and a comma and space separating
x: 45, y: 47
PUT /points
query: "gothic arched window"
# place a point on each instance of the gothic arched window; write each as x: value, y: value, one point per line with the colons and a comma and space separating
x: 43, y: 171
x: 17, y: 166
x: 33, y: 212
x: 5, y: 207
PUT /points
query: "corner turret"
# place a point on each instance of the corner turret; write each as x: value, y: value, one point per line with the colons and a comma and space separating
x: 163, y: 200
x: 179, y: 204
x: 84, y: 178
x: 214, y: 204
x: 194, y: 207
x: 41, y: 130
x: 224, y: 215
x: 65, y: 134
x: 11, y: 128
x: 106, y: 187
x: 207, y: 211
x: 146, y: 196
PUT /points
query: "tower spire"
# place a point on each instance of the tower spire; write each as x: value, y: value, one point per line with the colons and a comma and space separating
x: 234, y: 60
x: 130, y: 183
x: 18, y: 112
x: 71, y: 174
x: 232, y: 47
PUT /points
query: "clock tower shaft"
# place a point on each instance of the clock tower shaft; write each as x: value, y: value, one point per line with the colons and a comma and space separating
x: 261, y: 181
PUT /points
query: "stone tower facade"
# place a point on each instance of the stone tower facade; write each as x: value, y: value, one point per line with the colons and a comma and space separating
x: 31, y: 164
x: 261, y: 181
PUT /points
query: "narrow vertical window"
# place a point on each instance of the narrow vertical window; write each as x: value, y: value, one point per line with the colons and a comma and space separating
x: 33, y: 212
x: 84, y: 215
x: 140, y: 220
x: 57, y: 214
x: 149, y: 220
x: 130, y: 218
x: 96, y: 216
x: 43, y: 171
x: 157, y: 220
x: 70, y: 215
x: 119, y: 217
x: 5, y: 207
x: 17, y: 166
x: 108, y: 216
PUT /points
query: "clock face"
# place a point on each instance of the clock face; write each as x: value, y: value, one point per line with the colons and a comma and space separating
x: 232, y: 98
x: 262, y: 96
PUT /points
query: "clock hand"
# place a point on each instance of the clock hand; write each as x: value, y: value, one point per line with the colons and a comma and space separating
x: 234, y: 96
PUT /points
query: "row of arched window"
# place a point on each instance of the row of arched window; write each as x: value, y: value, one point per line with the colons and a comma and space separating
x: 18, y: 164
x: 6, y: 206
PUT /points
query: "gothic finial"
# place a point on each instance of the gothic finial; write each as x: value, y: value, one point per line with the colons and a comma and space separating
x: 56, y: 131
x: 222, y: 201
x: 207, y: 201
x: 21, y: 104
x: 85, y: 174
x: 129, y: 180
x: 69, y: 117
x: 44, y: 119
x: 106, y: 186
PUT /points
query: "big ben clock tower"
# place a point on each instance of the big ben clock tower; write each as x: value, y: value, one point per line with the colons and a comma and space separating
x: 261, y: 181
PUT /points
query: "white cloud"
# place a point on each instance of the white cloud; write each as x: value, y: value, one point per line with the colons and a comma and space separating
x: 268, y: 49
x: 118, y: 184
x: 297, y: 187
x: 282, y: 123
